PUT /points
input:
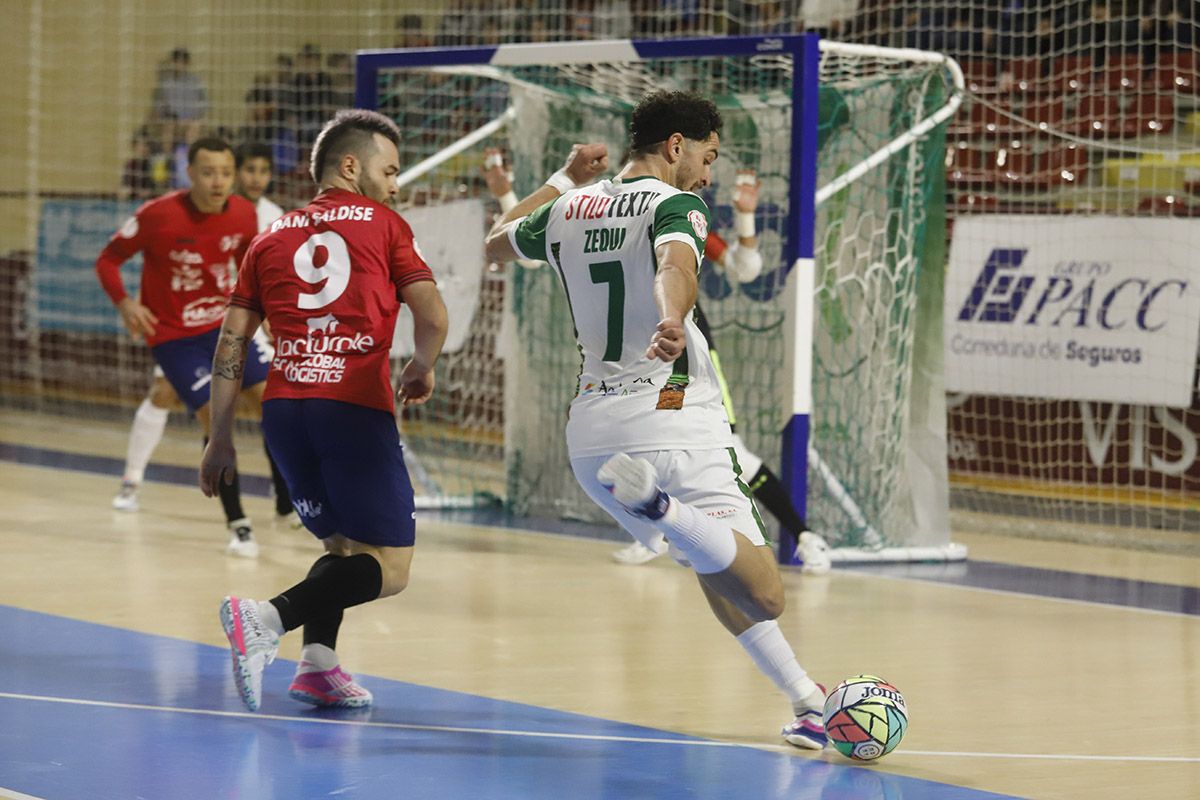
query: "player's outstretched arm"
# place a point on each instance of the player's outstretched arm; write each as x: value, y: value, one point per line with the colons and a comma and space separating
x: 675, y: 288
x: 220, y: 459
x: 744, y: 262
x: 498, y: 179
x: 430, y: 324
x: 499, y: 183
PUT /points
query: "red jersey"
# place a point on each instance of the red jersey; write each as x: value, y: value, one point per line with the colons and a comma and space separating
x: 327, y: 277
x: 188, y: 261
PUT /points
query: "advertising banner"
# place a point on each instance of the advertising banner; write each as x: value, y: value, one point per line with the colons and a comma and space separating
x: 71, y: 234
x: 1074, y: 308
x: 450, y: 236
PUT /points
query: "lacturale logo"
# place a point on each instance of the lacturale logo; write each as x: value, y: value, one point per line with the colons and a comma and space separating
x: 1075, y: 294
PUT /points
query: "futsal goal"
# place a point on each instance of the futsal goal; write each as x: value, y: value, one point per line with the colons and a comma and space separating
x: 832, y: 354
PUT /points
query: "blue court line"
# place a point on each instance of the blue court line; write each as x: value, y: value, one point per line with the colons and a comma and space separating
x: 1033, y: 581
x: 91, y: 711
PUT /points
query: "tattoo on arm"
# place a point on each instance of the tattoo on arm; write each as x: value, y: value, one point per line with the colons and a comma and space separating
x: 231, y: 356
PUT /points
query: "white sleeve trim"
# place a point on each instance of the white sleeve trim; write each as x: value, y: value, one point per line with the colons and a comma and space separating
x: 676, y: 236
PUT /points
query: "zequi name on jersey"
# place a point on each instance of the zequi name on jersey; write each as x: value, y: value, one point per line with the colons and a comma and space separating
x: 298, y: 220
x: 593, y: 206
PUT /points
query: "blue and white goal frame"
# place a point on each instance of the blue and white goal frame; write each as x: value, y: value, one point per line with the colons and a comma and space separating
x: 798, y: 244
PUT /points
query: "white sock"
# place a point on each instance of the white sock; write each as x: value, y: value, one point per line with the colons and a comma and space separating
x: 774, y: 658
x: 709, y: 545
x: 269, y: 615
x: 148, y: 425
x: 316, y: 658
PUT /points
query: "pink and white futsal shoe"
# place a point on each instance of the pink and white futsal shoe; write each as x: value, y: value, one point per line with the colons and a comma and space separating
x: 808, y: 729
x: 253, y: 646
x: 333, y: 688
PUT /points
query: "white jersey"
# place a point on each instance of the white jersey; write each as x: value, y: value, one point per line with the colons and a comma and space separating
x: 268, y: 211
x: 601, y: 239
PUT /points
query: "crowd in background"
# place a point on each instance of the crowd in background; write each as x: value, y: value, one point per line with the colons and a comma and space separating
x: 286, y: 103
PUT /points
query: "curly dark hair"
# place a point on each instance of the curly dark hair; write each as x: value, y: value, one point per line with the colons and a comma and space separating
x: 350, y: 131
x: 661, y: 114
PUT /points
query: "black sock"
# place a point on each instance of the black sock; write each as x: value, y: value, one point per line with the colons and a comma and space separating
x: 283, y: 500
x: 769, y: 491
x: 340, y: 584
x: 323, y: 630
x: 231, y: 495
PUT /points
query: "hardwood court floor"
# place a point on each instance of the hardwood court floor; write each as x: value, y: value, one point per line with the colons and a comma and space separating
x: 1009, y: 692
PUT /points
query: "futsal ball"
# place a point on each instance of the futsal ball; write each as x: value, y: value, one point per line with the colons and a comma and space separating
x: 865, y: 717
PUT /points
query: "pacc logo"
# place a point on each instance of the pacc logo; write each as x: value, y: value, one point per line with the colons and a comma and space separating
x: 1078, y: 295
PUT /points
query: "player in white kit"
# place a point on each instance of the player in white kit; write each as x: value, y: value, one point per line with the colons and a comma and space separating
x: 647, y: 432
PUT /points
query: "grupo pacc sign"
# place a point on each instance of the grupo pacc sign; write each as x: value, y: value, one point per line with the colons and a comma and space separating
x: 1074, y: 308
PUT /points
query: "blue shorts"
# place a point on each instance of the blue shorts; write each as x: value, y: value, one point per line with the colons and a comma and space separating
x: 187, y: 365
x: 344, y: 468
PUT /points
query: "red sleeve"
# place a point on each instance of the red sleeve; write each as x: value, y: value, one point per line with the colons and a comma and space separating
x: 127, y: 241
x: 245, y: 292
x: 407, y: 264
x: 249, y: 231
x: 714, y: 247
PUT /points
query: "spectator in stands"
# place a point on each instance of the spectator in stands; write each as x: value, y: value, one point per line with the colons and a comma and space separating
x: 1042, y: 39
x: 829, y: 18
x: 536, y: 30
x: 612, y: 19
x: 137, y: 179
x: 1092, y: 37
x: 770, y: 17
x: 873, y: 23
x: 1017, y: 21
x: 180, y: 95
x: 283, y: 91
x: 410, y: 32
x: 580, y: 25
x: 918, y: 28
x: 314, y: 92
x: 341, y: 70
x: 492, y: 33
x: 178, y: 159
x: 265, y: 123
x: 1184, y: 17
x: 460, y: 25
x: 964, y: 36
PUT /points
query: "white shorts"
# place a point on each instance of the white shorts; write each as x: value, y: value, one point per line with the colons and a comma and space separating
x: 706, y: 480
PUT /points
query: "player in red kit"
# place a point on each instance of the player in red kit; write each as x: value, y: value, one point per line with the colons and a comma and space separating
x: 329, y: 278
x: 191, y: 242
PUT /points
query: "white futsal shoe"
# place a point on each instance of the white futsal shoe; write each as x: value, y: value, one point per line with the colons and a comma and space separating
x: 127, y: 498
x: 813, y: 553
x: 241, y: 539
x: 253, y: 646
x: 634, y: 484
